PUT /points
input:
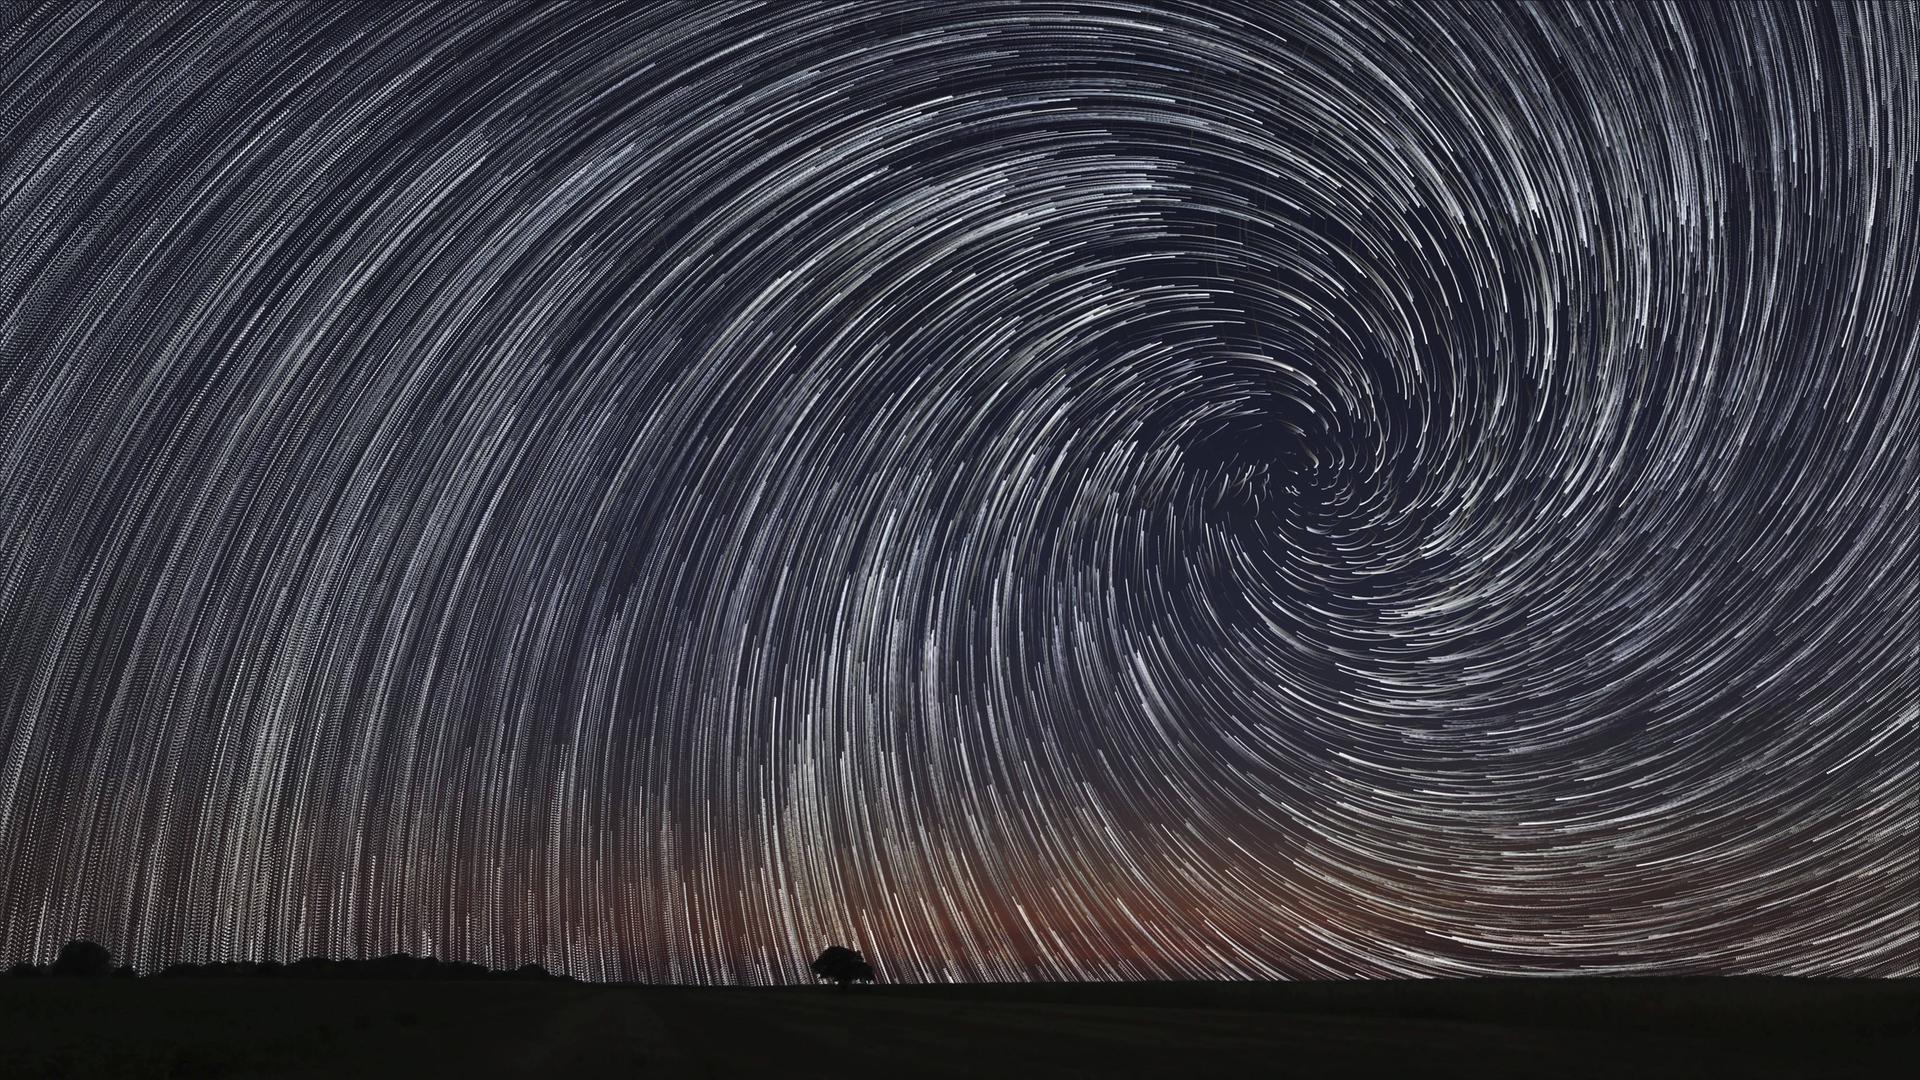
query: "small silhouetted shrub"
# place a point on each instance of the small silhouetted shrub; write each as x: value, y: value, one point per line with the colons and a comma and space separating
x: 83, y: 959
x: 842, y: 966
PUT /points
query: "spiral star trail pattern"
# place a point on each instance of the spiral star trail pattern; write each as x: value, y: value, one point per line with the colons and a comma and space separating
x: 1042, y: 490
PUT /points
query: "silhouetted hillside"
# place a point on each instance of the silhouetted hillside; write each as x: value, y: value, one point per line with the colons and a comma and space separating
x: 409, y: 1017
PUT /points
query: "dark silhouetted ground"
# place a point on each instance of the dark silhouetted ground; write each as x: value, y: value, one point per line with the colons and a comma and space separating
x: 238, y: 1027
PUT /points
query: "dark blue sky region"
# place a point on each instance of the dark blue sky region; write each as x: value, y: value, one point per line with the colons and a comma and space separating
x: 1057, y: 490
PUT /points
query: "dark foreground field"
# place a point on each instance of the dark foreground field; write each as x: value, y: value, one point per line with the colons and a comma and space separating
x: 1566, y: 1027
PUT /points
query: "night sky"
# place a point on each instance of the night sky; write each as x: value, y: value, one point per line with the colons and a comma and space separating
x: 1047, y: 490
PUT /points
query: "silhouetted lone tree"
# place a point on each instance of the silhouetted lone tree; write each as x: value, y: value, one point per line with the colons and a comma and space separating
x: 83, y: 958
x: 841, y: 966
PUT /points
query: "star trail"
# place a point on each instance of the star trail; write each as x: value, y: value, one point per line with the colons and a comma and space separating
x: 1061, y: 489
